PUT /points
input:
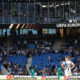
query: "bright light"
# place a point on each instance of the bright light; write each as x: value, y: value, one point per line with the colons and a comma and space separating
x: 68, y: 3
x: 62, y: 4
x: 51, y: 5
x: 65, y: 3
x: 57, y: 5
x: 44, y: 6
x: 11, y: 26
x: 22, y: 26
x: 17, y: 26
x: 70, y: 20
x: 73, y: 11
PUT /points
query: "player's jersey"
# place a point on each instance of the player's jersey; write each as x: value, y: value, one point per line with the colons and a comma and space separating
x: 59, y: 70
x: 68, y: 65
x: 32, y: 71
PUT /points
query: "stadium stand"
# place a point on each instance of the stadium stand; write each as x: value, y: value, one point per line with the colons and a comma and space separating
x: 15, y: 63
x: 17, y: 59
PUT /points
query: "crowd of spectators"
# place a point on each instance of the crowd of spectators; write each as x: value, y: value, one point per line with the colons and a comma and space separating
x: 42, y: 47
x: 17, y: 69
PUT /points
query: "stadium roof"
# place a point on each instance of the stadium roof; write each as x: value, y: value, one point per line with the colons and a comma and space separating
x: 56, y: 11
x: 33, y: 0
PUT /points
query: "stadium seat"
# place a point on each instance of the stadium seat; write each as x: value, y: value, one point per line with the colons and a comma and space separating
x: 42, y: 60
x: 17, y: 59
x: 31, y: 46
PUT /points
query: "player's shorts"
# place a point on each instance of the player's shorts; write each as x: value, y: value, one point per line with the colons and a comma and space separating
x: 31, y: 74
x: 68, y: 73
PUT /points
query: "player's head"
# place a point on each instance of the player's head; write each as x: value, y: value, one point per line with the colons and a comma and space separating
x: 67, y: 58
x: 59, y: 66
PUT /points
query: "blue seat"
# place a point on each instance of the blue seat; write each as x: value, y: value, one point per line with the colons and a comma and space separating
x: 18, y: 59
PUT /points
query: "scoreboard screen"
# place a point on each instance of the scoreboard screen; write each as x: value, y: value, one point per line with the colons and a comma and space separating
x: 49, y: 31
x: 26, y: 31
